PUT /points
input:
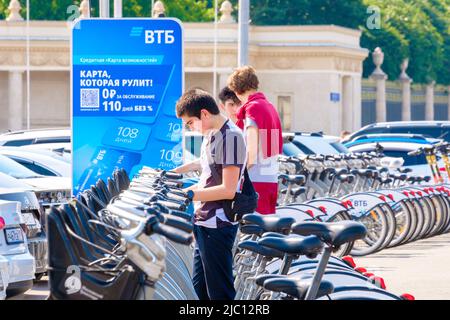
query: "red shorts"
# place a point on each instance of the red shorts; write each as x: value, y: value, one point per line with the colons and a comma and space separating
x: 268, y: 193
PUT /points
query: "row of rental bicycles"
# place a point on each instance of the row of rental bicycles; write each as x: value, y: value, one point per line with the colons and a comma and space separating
x: 394, y: 206
x: 125, y: 239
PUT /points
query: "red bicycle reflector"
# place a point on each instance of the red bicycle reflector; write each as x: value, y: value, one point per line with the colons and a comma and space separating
x: 344, y: 203
x: 391, y: 196
x: 407, y: 296
x: 382, y: 198
x: 431, y: 189
x: 361, y: 269
x: 378, y: 281
x: 2, y: 223
x: 310, y: 213
x: 406, y: 193
x: 323, y: 209
x: 349, y: 260
x: 412, y: 193
x: 349, y: 203
x: 368, y: 274
x: 419, y: 193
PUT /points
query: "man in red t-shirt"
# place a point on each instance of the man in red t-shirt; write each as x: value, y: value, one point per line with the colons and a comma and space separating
x: 262, y: 129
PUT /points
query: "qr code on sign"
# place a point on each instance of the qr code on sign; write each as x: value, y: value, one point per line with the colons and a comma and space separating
x: 90, y: 98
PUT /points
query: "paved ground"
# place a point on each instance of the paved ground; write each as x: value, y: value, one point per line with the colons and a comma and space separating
x: 39, y: 291
x: 419, y: 268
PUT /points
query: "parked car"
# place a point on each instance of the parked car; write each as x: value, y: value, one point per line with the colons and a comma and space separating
x: 35, y: 136
x: 32, y: 210
x: 317, y: 143
x: 13, y: 247
x: 46, y: 163
x: 428, y: 129
x: 49, y: 190
x: 397, y: 145
x: 293, y: 144
x: 63, y: 150
x: 4, y: 277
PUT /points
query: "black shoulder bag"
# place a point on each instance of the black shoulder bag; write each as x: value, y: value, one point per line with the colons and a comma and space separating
x: 244, y: 202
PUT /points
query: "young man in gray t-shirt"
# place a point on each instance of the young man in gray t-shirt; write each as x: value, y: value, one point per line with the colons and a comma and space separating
x: 222, y: 161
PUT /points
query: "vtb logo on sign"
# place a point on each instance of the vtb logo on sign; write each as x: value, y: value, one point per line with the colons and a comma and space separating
x: 159, y: 37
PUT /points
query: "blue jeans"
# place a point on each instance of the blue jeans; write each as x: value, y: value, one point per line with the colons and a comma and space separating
x: 213, y: 263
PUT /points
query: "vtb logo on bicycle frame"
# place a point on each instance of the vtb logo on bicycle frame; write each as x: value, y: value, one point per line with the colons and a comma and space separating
x: 359, y: 203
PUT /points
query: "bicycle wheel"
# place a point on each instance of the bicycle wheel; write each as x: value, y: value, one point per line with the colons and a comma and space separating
x: 429, y: 217
x: 441, y: 215
x: 392, y: 226
x: 376, y: 223
x: 404, y: 222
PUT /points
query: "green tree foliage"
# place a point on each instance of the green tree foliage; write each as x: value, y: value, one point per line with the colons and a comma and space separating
x: 185, y: 10
x: 417, y: 29
x: 44, y: 10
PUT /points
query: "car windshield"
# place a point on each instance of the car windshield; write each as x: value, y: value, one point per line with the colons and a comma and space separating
x: 339, y: 147
x: 289, y: 149
x: 426, y: 131
x: 409, y: 160
x: 302, y: 147
x: 15, y: 170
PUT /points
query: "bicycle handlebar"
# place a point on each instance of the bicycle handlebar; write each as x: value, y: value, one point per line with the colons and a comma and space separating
x: 177, y: 223
x: 170, y: 233
x: 171, y: 175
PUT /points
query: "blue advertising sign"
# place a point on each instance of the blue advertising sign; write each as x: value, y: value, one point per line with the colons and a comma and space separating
x: 127, y: 75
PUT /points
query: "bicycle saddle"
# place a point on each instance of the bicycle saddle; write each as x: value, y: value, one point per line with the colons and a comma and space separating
x: 333, y: 233
x: 298, y: 191
x: 293, y: 178
x: 272, y: 234
x: 270, y: 223
x: 251, y: 229
x: 404, y: 170
x: 399, y: 176
x: 426, y: 178
x: 346, y: 178
x: 297, y: 288
x: 259, y: 249
x: 386, y: 181
x: 310, y: 245
x: 259, y: 280
x: 341, y: 171
x: 368, y: 173
x: 295, y: 191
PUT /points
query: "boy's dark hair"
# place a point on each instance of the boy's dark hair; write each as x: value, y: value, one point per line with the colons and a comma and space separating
x: 193, y: 101
x: 228, y: 94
